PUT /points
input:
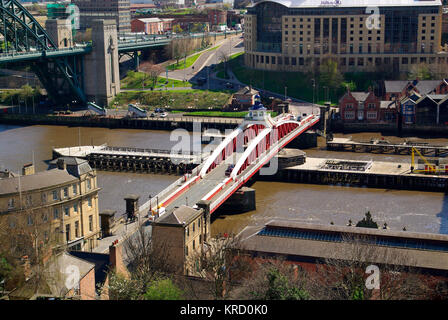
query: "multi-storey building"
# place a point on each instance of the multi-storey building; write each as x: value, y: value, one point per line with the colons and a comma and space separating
x: 298, y: 35
x: 118, y: 10
x: 181, y: 235
x: 61, y: 202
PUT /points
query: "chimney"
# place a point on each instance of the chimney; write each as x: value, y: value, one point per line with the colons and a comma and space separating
x: 61, y: 164
x: 116, y: 259
x: 28, y: 169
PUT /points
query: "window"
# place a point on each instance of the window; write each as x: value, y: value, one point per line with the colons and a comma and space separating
x: 186, y: 250
x: 67, y: 232
x: 55, y: 195
x: 349, y: 115
x: 11, y: 203
x: 75, y: 189
x: 188, y: 231
x: 29, y: 200
x: 193, y: 245
x: 65, y: 192
x: 90, y: 223
x: 30, y: 220
x: 89, y: 202
x: 75, y: 207
x: 193, y: 226
x: 349, y: 106
x: 371, y: 106
x: 44, y: 197
x: 371, y: 115
x: 45, y: 217
x: 56, y: 213
x: 199, y: 222
x: 89, y: 184
x: 67, y: 211
x: 77, y: 229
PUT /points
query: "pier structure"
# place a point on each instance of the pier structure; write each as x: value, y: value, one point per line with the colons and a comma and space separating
x: 377, y: 174
x: 382, y: 146
x: 134, y: 159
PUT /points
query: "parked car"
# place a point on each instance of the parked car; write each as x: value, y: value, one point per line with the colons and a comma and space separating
x: 163, y: 115
x: 152, y: 115
x: 229, y: 85
x: 229, y: 170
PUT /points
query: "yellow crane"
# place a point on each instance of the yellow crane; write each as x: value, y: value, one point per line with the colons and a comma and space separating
x: 431, y: 168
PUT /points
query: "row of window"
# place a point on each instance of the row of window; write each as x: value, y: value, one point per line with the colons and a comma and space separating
x: 56, y: 194
x: 193, y: 227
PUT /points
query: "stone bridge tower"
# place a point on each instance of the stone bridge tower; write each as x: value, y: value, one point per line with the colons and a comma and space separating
x: 101, y: 68
x: 60, y: 31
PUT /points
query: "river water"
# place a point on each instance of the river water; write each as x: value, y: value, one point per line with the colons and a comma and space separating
x: 416, y: 211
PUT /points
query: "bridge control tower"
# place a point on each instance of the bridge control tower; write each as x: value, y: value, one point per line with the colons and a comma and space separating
x: 258, y: 114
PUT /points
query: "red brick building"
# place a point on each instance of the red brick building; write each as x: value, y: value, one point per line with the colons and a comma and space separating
x: 217, y: 17
x: 359, y: 107
x: 151, y: 25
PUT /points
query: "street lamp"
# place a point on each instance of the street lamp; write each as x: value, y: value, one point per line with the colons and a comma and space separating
x: 150, y: 206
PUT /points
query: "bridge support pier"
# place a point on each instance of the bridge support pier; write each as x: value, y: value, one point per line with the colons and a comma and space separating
x: 102, y: 77
x: 242, y: 200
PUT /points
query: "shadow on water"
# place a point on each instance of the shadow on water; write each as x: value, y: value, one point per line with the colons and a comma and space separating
x: 6, y: 127
x: 443, y: 215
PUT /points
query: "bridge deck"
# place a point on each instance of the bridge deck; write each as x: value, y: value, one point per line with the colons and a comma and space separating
x: 85, y: 151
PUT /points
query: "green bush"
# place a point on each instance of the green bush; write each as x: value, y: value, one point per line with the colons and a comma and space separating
x: 163, y: 290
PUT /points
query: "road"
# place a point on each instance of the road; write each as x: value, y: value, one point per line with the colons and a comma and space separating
x: 204, y: 64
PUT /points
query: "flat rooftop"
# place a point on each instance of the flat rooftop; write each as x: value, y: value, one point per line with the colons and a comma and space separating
x: 372, y: 167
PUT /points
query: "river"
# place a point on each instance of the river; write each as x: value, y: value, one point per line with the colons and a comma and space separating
x: 416, y: 211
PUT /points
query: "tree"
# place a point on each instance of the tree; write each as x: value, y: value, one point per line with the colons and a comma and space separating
x: 420, y: 71
x: 177, y: 28
x: 219, y: 263
x: 367, y: 222
x: 163, y: 289
x: 345, y: 279
x: 151, y: 72
x: 329, y: 74
x: 275, y: 280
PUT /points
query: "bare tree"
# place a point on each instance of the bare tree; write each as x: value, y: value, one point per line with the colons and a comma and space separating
x: 345, y: 278
x: 221, y: 263
x: 273, y: 279
x: 151, y: 72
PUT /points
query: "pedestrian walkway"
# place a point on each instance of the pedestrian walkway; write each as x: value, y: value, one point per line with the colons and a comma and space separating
x: 123, y: 231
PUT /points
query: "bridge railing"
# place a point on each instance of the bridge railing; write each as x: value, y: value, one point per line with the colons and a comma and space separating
x: 157, y: 151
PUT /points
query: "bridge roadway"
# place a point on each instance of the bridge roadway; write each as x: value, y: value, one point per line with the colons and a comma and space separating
x: 215, y: 185
x: 130, y: 44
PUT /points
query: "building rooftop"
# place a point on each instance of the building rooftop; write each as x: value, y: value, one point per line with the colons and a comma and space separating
x: 179, y: 216
x: 354, y: 3
x: 247, y: 90
x: 39, y: 180
x: 360, y: 96
x: 294, y: 238
x: 422, y: 86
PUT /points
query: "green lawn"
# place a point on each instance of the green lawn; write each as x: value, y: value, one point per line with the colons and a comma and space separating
x: 134, y: 80
x: 179, y: 99
x: 189, y: 61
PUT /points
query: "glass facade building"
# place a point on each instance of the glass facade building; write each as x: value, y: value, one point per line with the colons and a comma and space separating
x: 397, y: 34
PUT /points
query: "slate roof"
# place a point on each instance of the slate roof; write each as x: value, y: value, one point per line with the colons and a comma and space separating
x: 360, y: 96
x: 423, y: 86
x: 179, y: 216
x: 39, y: 180
x: 285, y: 243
